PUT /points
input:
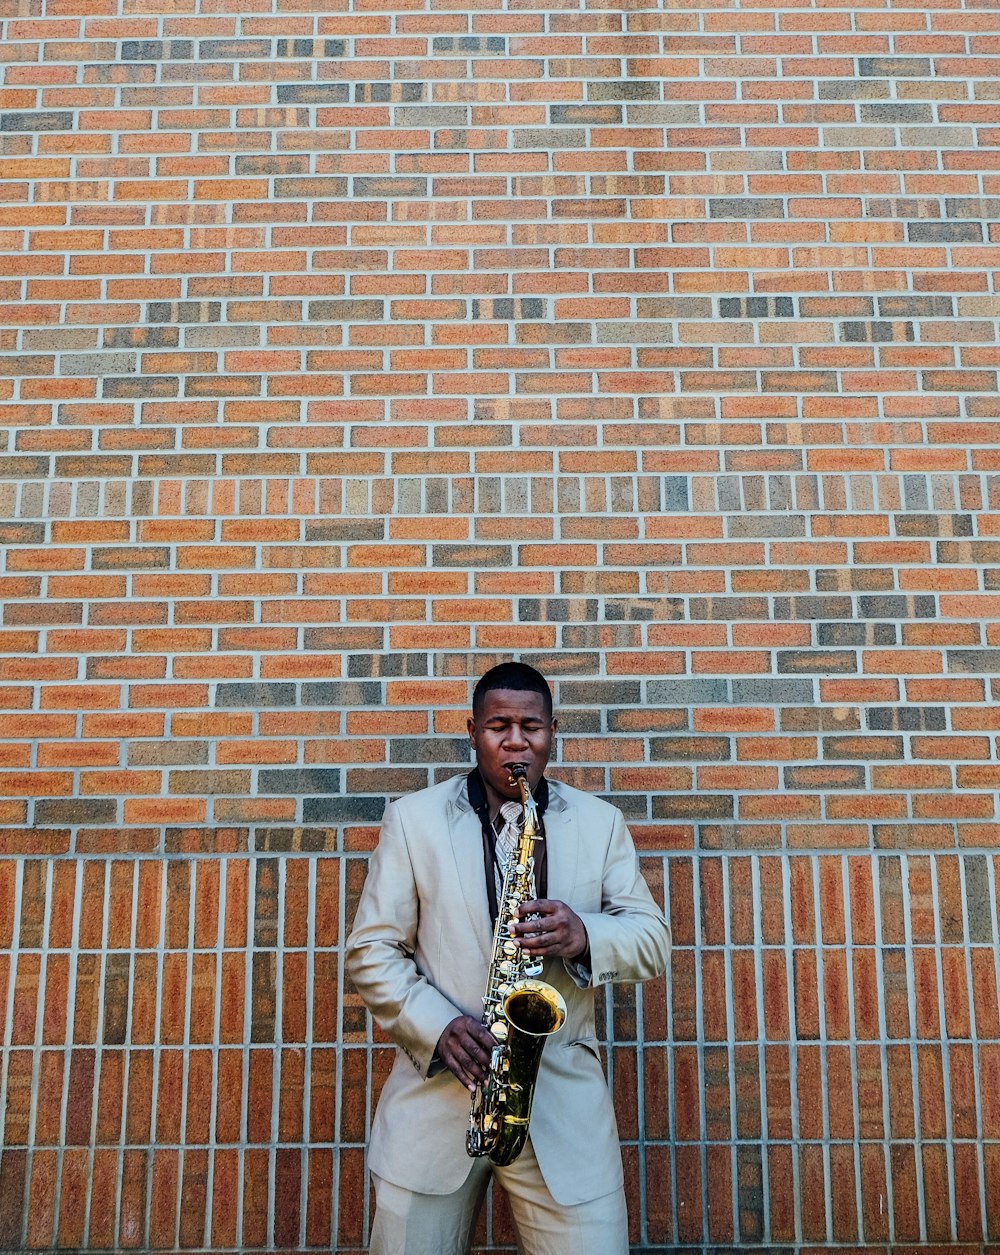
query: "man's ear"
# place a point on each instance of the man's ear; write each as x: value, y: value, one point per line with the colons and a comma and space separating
x: 470, y: 724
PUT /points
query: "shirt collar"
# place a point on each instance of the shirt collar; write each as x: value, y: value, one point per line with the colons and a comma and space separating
x: 479, y: 801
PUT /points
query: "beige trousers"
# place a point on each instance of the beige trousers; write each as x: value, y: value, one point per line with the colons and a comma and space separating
x: 441, y: 1224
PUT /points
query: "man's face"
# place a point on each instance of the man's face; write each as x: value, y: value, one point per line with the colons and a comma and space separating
x: 512, y: 727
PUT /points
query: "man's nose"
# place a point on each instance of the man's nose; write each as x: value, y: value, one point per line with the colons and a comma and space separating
x: 515, y: 735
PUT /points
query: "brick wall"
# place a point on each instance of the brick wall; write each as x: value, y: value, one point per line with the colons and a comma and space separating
x: 351, y: 346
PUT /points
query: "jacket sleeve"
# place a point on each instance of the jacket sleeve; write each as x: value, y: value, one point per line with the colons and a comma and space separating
x: 380, y: 951
x: 629, y: 939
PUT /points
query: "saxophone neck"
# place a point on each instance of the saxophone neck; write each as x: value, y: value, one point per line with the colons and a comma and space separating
x: 532, y: 823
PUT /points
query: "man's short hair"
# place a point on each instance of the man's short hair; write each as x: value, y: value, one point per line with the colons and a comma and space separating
x: 511, y: 675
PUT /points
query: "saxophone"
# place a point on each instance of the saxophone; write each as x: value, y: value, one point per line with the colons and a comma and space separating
x: 519, y: 1010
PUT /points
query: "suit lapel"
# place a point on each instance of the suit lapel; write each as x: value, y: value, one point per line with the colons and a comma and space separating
x: 562, y: 850
x: 467, y: 847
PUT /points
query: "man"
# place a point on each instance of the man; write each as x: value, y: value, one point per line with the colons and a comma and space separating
x: 419, y: 955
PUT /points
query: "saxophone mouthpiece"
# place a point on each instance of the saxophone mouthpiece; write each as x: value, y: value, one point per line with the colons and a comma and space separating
x: 518, y: 771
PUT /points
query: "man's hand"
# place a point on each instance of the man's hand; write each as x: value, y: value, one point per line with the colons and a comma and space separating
x: 558, y: 932
x: 465, y: 1047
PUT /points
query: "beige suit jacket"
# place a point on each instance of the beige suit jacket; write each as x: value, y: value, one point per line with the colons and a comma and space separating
x: 419, y: 955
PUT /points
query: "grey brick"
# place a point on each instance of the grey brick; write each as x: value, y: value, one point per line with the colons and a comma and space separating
x: 756, y: 307
x: 347, y: 310
x: 422, y: 749
x: 859, y: 136
x: 765, y: 691
x: 937, y: 136
x: 812, y: 607
x: 944, y: 232
x: 746, y: 207
x: 723, y: 609
x: 978, y: 899
x: 83, y: 364
x: 675, y: 493
x: 973, y: 661
x: 599, y: 692
x: 350, y: 693
x: 183, y: 311
x: 272, y: 163
x: 388, y: 780
x: 157, y: 49
x: 674, y: 307
x: 934, y: 525
x: 140, y: 337
x: 906, y: 718
x: 297, y: 840
x: 855, y: 634
x: 643, y: 609
x: 556, y: 609
x: 432, y: 115
x: 666, y: 114
x: 167, y: 753
x: 624, y: 89
x: 766, y: 525
x: 367, y: 665
x: 853, y: 89
x: 255, y: 695
x: 298, y: 780
x: 687, y: 692
x: 876, y: 332
x: 314, y: 93
x: 389, y: 93
x: 210, y: 782
x: 894, y: 113
x: 631, y: 805
x: 916, y: 306
x: 634, y: 332
x: 888, y: 606
x: 343, y: 810
x: 40, y: 120
x: 506, y: 308
x: 57, y: 811
x: 894, y: 67
x: 986, y: 207
x: 311, y: 48
x: 469, y: 45
x: 585, y: 114
x: 542, y: 137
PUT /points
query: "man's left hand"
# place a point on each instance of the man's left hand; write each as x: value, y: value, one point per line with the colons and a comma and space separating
x: 557, y: 932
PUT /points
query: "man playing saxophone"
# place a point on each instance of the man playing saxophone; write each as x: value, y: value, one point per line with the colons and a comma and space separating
x: 424, y: 949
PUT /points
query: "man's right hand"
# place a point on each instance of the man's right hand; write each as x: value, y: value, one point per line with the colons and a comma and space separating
x: 464, y: 1048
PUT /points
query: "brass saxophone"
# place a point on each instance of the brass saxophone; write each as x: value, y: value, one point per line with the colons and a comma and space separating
x: 520, y: 1011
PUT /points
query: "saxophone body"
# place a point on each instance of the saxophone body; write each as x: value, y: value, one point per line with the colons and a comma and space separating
x: 520, y: 1011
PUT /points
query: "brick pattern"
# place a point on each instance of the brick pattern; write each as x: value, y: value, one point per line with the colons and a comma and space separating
x: 185, y: 1069
x: 350, y: 347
